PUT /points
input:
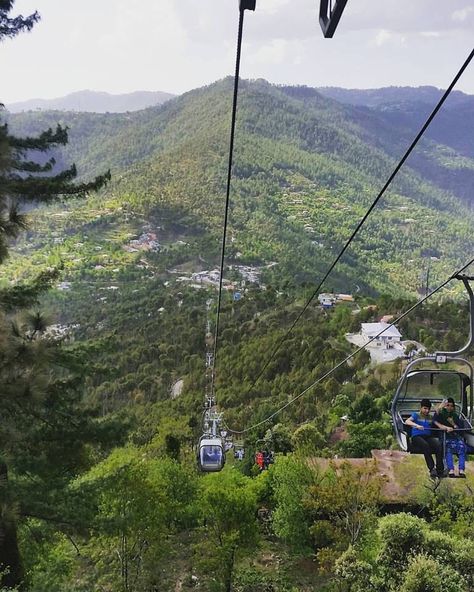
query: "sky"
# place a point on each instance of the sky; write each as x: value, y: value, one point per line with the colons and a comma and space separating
x: 119, y: 46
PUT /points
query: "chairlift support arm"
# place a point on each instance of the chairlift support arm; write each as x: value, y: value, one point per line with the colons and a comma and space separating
x: 247, y: 4
x: 330, y: 12
x: 465, y: 280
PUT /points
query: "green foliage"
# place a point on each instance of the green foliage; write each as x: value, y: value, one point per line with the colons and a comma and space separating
x: 10, y: 27
x: 400, y: 535
x: 290, y: 479
x: 411, y: 558
x: 350, y: 569
x: 139, y: 500
x: 365, y: 410
x: 349, y: 495
x: 363, y: 438
x: 278, y: 438
x: 227, y: 504
x: 307, y: 440
x: 253, y: 580
x: 427, y: 575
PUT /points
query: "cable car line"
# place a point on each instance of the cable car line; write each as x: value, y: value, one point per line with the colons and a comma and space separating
x: 367, y: 214
x: 212, y: 444
x: 244, y: 5
x: 349, y: 357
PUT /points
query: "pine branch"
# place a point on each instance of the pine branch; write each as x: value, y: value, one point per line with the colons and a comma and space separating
x: 25, y: 295
x: 30, y: 166
x: 49, y: 188
x: 45, y: 141
x: 10, y: 27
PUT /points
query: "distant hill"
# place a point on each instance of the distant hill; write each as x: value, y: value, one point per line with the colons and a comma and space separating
x: 305, y: 169
x: 409, y: 107
x: 94, y: 102
x: 378, y: 97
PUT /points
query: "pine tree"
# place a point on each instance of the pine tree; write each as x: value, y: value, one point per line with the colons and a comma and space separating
x: 30, y: 401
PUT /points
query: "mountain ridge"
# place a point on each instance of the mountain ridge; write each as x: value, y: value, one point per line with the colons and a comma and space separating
x: 89, y: 101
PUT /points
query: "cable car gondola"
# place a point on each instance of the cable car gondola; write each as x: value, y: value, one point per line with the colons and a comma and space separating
x: 212, y: 444
x: 429, y: 378
x: 211, y: 454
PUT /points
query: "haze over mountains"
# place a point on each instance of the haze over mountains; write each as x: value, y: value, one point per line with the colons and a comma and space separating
x: 94, y: 102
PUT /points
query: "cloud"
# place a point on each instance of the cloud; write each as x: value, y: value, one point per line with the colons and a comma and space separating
x: 406, y: 16
x: 463, y: 14
x: 271, y: 7
x: 430, y: 34
x: 385, y: 37
x: 274, y: 52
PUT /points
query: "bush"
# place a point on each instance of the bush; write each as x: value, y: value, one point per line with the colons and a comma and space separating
x: 400, y: 535
x: 424, y: 574
x: 307, y: 440
x: 365, y: 437
x: 354, y: 572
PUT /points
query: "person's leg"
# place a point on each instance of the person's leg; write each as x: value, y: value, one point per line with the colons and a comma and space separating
x: 437, y: 449
x: 419, y: 444
x: 461, y: 452
x: 449, y: 456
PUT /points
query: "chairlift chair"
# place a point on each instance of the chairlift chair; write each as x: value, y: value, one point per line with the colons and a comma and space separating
x: 430, y: 378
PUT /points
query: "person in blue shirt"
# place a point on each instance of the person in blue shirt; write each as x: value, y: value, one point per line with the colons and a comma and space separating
x: 423, y: 440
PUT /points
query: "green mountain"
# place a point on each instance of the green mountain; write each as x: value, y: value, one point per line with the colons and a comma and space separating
x: 409, y: 107
x: 305, y: 169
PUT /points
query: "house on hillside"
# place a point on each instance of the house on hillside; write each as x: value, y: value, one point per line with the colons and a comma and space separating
x: 387, y: 339
x: 327, y: 300
x: 384, y: 348
x: 345, y: 297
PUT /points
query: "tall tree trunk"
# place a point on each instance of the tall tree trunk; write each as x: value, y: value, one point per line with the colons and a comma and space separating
x: 10, y: 558
x: 229, y: 570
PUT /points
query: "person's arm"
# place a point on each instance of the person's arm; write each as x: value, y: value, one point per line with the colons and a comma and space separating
x: 411, y: 422
x: 443, y: 427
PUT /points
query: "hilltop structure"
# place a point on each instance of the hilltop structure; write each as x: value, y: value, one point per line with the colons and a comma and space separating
x: 386, y: 346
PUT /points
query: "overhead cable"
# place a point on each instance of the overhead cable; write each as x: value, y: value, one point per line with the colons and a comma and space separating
x: 242, y: 7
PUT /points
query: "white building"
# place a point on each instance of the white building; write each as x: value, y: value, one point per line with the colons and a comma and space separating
x: 327, y: 300
x: 386, y: 340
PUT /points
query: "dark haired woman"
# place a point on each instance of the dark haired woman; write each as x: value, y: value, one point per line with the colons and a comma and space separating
x: 448, y: 420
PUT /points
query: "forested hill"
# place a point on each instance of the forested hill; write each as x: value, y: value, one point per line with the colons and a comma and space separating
x: 305, y: 169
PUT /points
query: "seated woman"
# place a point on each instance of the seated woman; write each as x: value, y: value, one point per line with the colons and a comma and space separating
x: 448, y: 420
x: 423, y: 441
